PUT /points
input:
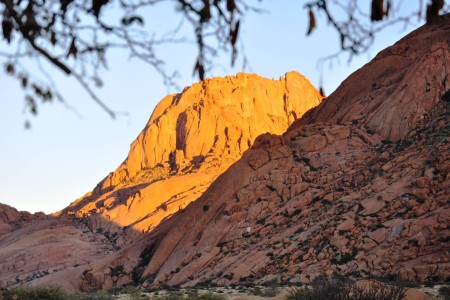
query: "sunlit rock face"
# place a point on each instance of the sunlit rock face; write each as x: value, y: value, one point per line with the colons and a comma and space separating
x: 337, y: 193
x: 217, y: 118
x: 190, y: 139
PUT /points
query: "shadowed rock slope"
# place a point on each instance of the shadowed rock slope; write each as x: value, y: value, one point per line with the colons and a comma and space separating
x: 36, y: 249
x: 11, y: 218
x: 358, y: 187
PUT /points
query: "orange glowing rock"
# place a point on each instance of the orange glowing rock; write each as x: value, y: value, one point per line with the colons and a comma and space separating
x: 190, y: 139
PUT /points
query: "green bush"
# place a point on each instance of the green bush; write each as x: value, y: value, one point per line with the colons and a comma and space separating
x: 444, y: 292
x: 271, y: 291
x: 34, y: 293
x: 333, y: 289
x: 132, y: 291
x: 49, y: 293
x: 190, y: 296
x: 207, y: 296
x: 99, y: 295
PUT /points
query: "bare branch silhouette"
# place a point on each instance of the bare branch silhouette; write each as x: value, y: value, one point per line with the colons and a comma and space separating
x: 75, y: 36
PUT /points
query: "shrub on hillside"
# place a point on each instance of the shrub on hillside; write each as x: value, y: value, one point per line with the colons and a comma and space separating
x: 191, y: 296
x: 444, y: 292
x: 335, y: 289
x: 99, y: 295
x: 34, y: 293
x: 207, y: 296
x: 49, y: 293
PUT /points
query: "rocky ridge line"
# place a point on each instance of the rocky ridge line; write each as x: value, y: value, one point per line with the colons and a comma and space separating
x: 396, y: 88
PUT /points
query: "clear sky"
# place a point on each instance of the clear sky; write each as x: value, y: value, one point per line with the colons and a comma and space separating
x: 66, y: 153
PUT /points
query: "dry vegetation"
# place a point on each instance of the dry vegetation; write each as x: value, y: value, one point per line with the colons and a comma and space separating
x: 320, y: 289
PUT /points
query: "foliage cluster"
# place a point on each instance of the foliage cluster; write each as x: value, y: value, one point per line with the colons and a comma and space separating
x: 75, y: 36
x: 50, y: 293
x: 336, y: 289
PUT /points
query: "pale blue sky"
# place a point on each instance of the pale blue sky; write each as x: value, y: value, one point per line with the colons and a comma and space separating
x: 64, y: 155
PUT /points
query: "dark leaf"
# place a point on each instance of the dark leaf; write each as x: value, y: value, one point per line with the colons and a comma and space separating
x: 53, y: 39
x: 98, y: 82
x: 102, y: 59
x: 31, y: 104
x: 24, y: 81
x: 433, y: 9
x: 342, y: 40
x: 64, y: 5
x: 9, y: 68
x: 233, y: 56
x: 321, y: 91
x: 312, y: 22
x: 199, y: 69
x: 205, y: 12
x: 72, y: 49
x: 37, y: 90
x: 31, y: 26
x: 234, y: 33
x: 7, y: 28
x: 47, y: 96
x: 97, y: 6
x: 377, y: 12
x: 30, y: 7
x: 388, y: 8
x: 231, y: 5
x: 195, y: 68
x: 133, y: 19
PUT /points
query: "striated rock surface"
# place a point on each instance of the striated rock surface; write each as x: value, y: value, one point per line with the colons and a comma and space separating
x: 364, y: 194
x: 40, y: 249
x: 190, y: 139
x: 412, y: 75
